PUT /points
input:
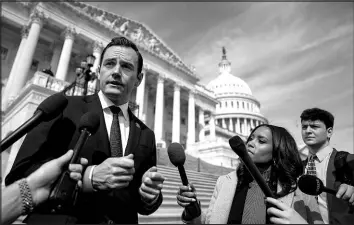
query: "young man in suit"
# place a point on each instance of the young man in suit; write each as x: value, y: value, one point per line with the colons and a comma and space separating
x: 121, y: 179
x: 317, y: 129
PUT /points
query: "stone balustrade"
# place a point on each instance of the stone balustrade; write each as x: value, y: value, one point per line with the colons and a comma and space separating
x: 44, y: 80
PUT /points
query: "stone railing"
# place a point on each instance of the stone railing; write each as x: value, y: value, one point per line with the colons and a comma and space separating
x: 77, y: 88
x: 49, y: 82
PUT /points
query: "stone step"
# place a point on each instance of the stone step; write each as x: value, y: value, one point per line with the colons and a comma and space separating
x: 201, y: 198
x: 197, y: 184
x: 188, y: 172
x: 163, y: 167
x: 172, y: 206
x: 173, y: 192
x: 165, y: 218
x: 175, y: 186
x: 177, y: 177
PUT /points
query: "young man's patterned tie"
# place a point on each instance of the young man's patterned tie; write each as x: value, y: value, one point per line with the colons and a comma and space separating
x: 311, y: 167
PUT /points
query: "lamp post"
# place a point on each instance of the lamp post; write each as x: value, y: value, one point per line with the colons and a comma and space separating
x: 84, y: 71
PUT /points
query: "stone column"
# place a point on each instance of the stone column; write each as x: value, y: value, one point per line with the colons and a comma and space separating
x: 13, y: 74
x: 97, y: 50
x: 201, y: 125
x: 251, y: 125
x: 140, y: 96
x: 242, y: 125
x: 25, y: 60
x: 191, y: 118
x: 176, y: 120
x: 145, y: 112
x: 212, y: 126
x: 64, y: 60
x: 223, y: 123
x: 55, y: 58
x: 247, y: 127
x: 158, y: 126
x: 237, y: 125
x: 231, y: 125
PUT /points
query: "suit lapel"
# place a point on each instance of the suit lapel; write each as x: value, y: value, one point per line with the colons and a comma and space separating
x: 102, y: 143
x: 330, y: 179
x: 134, y: 134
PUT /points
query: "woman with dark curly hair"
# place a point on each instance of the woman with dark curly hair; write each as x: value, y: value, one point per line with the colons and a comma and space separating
x: 237, y: 198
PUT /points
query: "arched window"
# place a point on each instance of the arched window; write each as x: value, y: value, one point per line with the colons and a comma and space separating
x: 243, y: 105
x: 238, y: 105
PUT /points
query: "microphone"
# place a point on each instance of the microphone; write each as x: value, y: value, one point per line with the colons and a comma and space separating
x: 177, y: 158
x: 46, y: 111
x: 312, y: 185
x: 237, y: 145
x: 65, y: 189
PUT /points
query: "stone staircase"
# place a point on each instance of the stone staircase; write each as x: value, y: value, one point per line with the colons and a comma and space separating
x: 169, y: 211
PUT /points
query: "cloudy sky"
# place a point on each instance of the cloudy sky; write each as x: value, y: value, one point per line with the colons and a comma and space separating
x: 293, y: 55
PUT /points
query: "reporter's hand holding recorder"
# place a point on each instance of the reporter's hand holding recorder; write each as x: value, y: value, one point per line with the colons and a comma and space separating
x: 22, y: 196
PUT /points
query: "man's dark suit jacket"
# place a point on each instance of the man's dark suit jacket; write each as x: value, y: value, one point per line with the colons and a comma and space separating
x: 52, y: 139
x: 339, y: 210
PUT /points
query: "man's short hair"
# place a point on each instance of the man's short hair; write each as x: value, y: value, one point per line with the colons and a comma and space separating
x: 314, y: 114
x: 122, y: 41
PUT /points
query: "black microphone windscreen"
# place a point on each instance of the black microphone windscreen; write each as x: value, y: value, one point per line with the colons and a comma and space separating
x: 52, y: 106
x: 310, y: 185
x: 176, y: 154
x: 238, y: 146
x: 90, y: 121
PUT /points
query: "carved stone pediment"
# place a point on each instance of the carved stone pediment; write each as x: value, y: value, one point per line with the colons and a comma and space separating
x: 137, y: 32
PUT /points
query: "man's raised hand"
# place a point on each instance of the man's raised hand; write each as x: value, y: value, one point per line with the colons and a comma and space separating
x: 152, y: 183
x: 113, y: 173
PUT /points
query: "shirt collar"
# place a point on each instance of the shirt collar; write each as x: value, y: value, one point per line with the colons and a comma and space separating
x: 323, y: 153
x: 106, y: 103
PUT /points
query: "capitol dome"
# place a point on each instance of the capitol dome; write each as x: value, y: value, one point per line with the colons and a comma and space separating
x: 226, y: 83
x: 238, y: 110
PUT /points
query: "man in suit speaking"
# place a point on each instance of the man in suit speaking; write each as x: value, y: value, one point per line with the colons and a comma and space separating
x: 121, y: 179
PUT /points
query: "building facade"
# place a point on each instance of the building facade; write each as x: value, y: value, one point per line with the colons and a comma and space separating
x: 57, y: 36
